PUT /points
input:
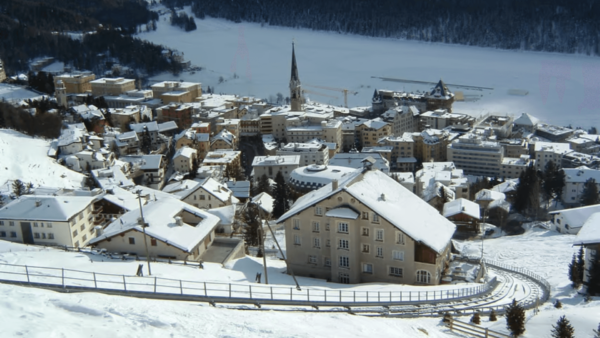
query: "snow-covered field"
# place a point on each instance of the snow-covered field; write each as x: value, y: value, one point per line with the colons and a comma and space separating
x: 25, y: 158
x: 561, y: 88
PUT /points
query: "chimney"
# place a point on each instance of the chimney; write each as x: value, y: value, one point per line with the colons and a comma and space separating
x: 99, y: 231
x: 38, y: 203
x: 334, y: 185
x: 178, y: 221
x: 383, y: 197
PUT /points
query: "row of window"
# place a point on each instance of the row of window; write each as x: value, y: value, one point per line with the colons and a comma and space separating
x: 152, y: 241
x: 344, y: 244
x: 35, y: 224
x: 38, y: 235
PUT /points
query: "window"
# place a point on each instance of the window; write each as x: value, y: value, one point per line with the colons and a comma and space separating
x: 36, y: 235
x: 365, y: 248
x: 343, y: 227
x: 82, y: 227
x: 367, y: 268
x: 13, y: 234
x: 328, y: 243
x: 2, y: 233
x: 202, y: 197
x: 50, y: 235
x: 11, y: 223
x: 80, y: 217
x: 343, y: 244
x: 400, y: 238
x: 1, y: 222
x: 396, y: 272
x: 153, y: 242
x: 35, y: 225
x: 317, y: 242
x: 344, y: 262
x: 423, y: 277
x: 42, y: 224
x: 344, y: 278
x: 379, y: 252
x: 316, y: 226
x: 398, y: 255
x: 326, y: 226
x: 375, y: 218
x: 379, y: 235
x: 296, y: 224
x: 327, y: 261
x: 365, y: 231
x: 312, y: 259
x: 297, y: 240
x: 48, y: 225
x: 319, y: 211
x: 365, y: 215
x: 194, y: 197
x: 74, y: 233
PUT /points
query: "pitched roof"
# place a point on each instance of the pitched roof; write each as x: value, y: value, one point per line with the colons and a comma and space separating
x: 576, y: 217
x: 185, y: 152
x: 264, y: 201
x: 387, y: 198
x: 45, y: 208
x: 526, y: 120
x: 590, y: 232
x: 489, y: 195
x: 461, y: 206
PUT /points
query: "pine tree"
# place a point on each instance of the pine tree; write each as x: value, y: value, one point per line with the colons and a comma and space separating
x: 590, y: 193
x: 281, y: 202
x: 515, y: 319
x: 493, y: 317
x: 574, y: 274
x: 563, y: 329
x: 18, y: 188
x: 194, y: 171
x: 476, y: 319
x: 251, y: 220
x: 580, y: 265
x: 528, y: 192
x: 593, y: 282
x: 146, y: 141
x: 558, y: 304
x: 263, y: 185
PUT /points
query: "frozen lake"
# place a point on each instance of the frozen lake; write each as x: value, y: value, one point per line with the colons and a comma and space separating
x: 560, y: 88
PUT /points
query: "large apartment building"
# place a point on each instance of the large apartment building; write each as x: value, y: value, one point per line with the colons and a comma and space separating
x: 351, y: 231
x: 112, y: 86
x: 476, y: 156
x: 76, y: 83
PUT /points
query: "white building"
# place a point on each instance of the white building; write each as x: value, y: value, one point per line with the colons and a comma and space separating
x: 49, y: 220
x: 204, y: 194
x: 549, y: 151
x: 355, y: 160
x: 314, y: 176
x: 476, y: 156
x: 183, y: 159
x: 570, y: 221
x: 271, y: 165
x: 513, y: 167
x: 310, y: 153
x: 574, y: 182
x: 434, y: 174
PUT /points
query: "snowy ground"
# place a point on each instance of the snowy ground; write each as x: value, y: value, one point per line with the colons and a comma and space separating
x: 561, y: 88
x: 26, y: 159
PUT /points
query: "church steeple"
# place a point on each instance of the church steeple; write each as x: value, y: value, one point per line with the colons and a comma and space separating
x: 295, y: 86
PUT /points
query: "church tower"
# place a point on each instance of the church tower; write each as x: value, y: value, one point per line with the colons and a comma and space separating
x: 60, y: 91
x: 295, y: 87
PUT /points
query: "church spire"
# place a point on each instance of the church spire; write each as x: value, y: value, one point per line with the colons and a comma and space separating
x: 295, y: 87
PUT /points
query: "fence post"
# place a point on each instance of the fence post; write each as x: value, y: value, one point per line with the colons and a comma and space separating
x: 27, y: 273
x: 308, y: 294
x: 180, y: 287
x: 486, y: 333
x: 291, y: 294
x: 271, y: 293
x: 250, y: 288
x: 63, y: 277
x: 95, y: 283
x: 378, y: 297
x: 340, y: 296
x: 124, y: 284
x: 355, y: 296
x: 390, y: 296
x: 229, y: 290
x: 154, y: 284
x: 325, y: 295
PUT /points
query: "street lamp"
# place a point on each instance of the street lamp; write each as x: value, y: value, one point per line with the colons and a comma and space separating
x: 144, y: 225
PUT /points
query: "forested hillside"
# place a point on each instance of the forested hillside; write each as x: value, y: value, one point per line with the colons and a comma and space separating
x: 550, y: 25
x: 30, y: 29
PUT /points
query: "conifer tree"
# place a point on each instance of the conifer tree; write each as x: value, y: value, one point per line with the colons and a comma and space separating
x: 580, y: 265
x: 590, y: 193
x: 593, y: 282
x: 515, y: 318
x: 528, y: 192
x: 493, y: 317
x: 574, y: 275
x: 558, y: 304
x: 251, y: 220
x: 263, y: 185
x: 563, y: 329
x: 18, y: 188
x: 281, y: 202
x: 476, y: 319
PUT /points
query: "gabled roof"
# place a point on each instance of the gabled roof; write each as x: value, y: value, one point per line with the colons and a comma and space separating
x: 576, y: 217
x: 265, y: 201
x: 590, y: 232
x: 150, y: 162
x: 183, y: 188
x: 489, y: 195
x: 45, y: 208
x: 167, y: 126
x: 185, y: 152
x: 224, y: 135
x: 461, y: 206
x: 160, y: 216
x: 526, y: 120
x: 388, y: 199
x: 241, y: 189
x: 139, y: 127
x: 226, y: 214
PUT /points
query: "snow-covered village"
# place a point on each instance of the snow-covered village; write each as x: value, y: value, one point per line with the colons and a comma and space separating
x: 276, y: 189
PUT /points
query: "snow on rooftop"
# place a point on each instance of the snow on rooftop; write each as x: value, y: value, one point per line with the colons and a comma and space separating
x: 265, y: 201
x: 185, y: 152
x: 226, y: 214
x: 160, y: 216
x: 387, y: 197
x: 590, y: 231
x: 489, y: 195
x: 45, y: 208
x: 576, y: 217
x: 526, y: 120
x: 461, y: 206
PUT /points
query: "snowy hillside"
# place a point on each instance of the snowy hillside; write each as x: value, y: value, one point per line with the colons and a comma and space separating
x: 25, y: 158
x: 561, y: 88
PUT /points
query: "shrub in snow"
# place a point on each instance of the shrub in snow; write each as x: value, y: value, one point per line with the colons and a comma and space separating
x: 476, y: 319
x: 558, y: 304
x: 493, y: 316
x: 515, y: 318
x: 447, y: 317
x: 563, y: 329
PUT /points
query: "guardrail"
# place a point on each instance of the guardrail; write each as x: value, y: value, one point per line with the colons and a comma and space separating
x: 474, y: 330
x: 164, y: 288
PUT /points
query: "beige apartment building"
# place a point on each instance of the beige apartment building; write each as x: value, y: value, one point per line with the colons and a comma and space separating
x: 112, y: 86
x: 367, y: 228
x: 50, y: 220
x: 76, y: 83
x: 369, y: 132
x: 177, y: 92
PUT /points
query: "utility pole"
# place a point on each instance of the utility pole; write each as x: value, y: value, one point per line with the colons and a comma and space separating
x: 262, y: 240
x: 144, y: 225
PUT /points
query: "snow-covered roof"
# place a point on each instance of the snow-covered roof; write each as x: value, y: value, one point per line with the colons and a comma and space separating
x: 581, y: 174
x: 160, y: 216
x: 278, y: 160
x: 186, y: 152
x: 461, y: 206
x: 150, y: 162
x: 387, y: 198
x: 354, y: 160
x: 576, y: 217
x: 376, y: 123
x: 342, y: 213
x: 265, y: 201
x: 45, y: 208
x: 241, y: 189
x: 590, y: 231
x: 226, y: 214
x: 316, y: 174
x: 489, y: 195
x: 183, y: 188
x: 526, y: 120
x: 167, y: 126
x: 112, y: 176
x: 506, y: 186
x: 139, y: 127
x: 224, y: 135
x: 220, y: 191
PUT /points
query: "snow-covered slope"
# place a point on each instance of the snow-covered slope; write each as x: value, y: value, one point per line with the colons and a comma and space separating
x: 559, y: 88
x: 25, y: 158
